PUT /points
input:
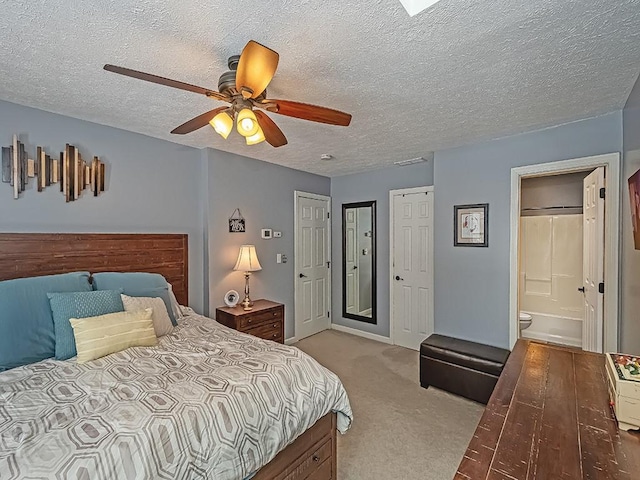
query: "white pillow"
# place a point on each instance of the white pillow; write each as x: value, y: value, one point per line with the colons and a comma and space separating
x: 175, y: 306
x: 161, y: 321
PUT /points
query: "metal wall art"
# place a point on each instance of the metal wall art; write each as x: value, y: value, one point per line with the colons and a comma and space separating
x: 69, y: 170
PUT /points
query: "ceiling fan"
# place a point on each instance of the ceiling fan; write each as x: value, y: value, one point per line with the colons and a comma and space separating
x: 244, y: 87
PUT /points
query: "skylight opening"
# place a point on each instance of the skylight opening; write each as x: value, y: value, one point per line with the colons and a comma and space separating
x: 413, y: 7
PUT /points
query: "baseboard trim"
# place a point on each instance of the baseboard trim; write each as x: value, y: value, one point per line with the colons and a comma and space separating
x: 290, y: 341
x: 354, y: 331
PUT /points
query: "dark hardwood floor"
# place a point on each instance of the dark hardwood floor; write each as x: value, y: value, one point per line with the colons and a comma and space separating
x: 549, y: 418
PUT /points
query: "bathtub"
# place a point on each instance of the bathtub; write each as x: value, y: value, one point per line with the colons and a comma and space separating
x: 554, y: 329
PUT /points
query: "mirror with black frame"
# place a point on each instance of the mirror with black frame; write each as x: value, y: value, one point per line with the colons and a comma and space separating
x: 359, y: 261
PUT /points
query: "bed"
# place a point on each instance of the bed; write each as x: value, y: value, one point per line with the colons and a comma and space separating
x: 207, y: 402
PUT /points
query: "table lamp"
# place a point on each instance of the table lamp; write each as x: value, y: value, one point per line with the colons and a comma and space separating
x: 247, y: 263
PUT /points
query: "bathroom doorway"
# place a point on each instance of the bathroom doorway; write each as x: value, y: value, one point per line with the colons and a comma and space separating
x: 550, y: 275
x: 555, y: 247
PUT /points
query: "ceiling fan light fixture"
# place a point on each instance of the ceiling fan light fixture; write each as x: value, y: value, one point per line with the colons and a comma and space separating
x: 247, y: 123
x: 257, y: 138
x: 244, y: 87
x: 222, y: 123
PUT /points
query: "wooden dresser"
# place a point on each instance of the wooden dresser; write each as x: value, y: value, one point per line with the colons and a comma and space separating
x: 264, y: 320
x: 549, y: 417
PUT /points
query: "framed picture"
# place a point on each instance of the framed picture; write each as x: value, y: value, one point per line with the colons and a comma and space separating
x: 231, y: 298
x: 634, y: 199
x: 471, y: 225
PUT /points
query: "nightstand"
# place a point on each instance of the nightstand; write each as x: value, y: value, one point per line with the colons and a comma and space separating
x: 264, y: 320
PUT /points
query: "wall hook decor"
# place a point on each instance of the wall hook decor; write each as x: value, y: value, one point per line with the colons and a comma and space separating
x: 69, y: 170
x: 236, y: 222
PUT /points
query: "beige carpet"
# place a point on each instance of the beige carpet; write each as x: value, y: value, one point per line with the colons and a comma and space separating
x: 400, y: 430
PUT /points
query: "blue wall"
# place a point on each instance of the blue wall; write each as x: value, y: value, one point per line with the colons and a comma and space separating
x: 158, y: 186
x: 363, y: 187
x: 152, y: 186
x: 264, y: 193
x: 630, y: 324
x: 472, y: 284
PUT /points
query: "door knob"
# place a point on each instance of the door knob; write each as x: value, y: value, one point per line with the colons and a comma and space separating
x: 302, y: 275
x: 355, y: 267
x: 398, y: 278
x: 581, y: 289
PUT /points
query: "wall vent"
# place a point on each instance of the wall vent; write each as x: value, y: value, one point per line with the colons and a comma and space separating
x: 411, y: 161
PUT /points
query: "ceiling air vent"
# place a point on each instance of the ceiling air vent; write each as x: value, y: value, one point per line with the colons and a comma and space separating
x: 411, y: 161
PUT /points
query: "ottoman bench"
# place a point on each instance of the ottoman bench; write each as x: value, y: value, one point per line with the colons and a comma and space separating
x: 462, y: 367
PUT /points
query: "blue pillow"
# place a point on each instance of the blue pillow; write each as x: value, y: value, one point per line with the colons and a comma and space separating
x: 79, y: 305
x: 136, y: 284
x: 26, y: 324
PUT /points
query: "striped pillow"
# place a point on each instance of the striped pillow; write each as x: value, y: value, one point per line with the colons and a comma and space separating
x: 111, y: 333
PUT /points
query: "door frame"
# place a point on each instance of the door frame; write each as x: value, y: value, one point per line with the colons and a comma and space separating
x: 315, y: 196
x: 611, y: 162
x: 393, y: 193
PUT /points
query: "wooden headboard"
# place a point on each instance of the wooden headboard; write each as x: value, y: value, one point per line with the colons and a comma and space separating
x: 34, y: 254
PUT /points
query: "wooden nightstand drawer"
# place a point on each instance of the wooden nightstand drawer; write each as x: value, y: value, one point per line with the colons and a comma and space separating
x: 254, y: 319
x: 264, y: 320
x: 268, y: 331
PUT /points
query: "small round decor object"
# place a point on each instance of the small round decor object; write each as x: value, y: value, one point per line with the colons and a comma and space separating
x: 231, y: 298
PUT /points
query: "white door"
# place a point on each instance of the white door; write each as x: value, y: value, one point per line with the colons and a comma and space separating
x: 412, y: 267
x: 351, y: 261
x: 593, y: 260
x: 312, y: 268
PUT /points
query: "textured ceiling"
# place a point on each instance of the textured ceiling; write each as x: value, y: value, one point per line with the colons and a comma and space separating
x: 459, y: 72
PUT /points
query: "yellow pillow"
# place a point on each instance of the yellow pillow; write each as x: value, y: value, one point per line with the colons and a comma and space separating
x: 111, y: 333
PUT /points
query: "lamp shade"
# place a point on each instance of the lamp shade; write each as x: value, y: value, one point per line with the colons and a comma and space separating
x: 257, y: 138
x: 248, y: 259
x: 222, y: 124
x: 247, y: 123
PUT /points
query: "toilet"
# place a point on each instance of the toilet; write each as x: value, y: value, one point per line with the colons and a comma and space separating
x: 525, y: 320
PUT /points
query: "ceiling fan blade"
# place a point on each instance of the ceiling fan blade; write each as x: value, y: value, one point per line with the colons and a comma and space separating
x: 166, y: 81
x: 313, y: 113
x: 198, y: 122
x: 256, y: 68
x: 272, y: 132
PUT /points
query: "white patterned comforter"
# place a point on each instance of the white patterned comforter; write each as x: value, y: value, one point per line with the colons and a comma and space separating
x: 207, y: 402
